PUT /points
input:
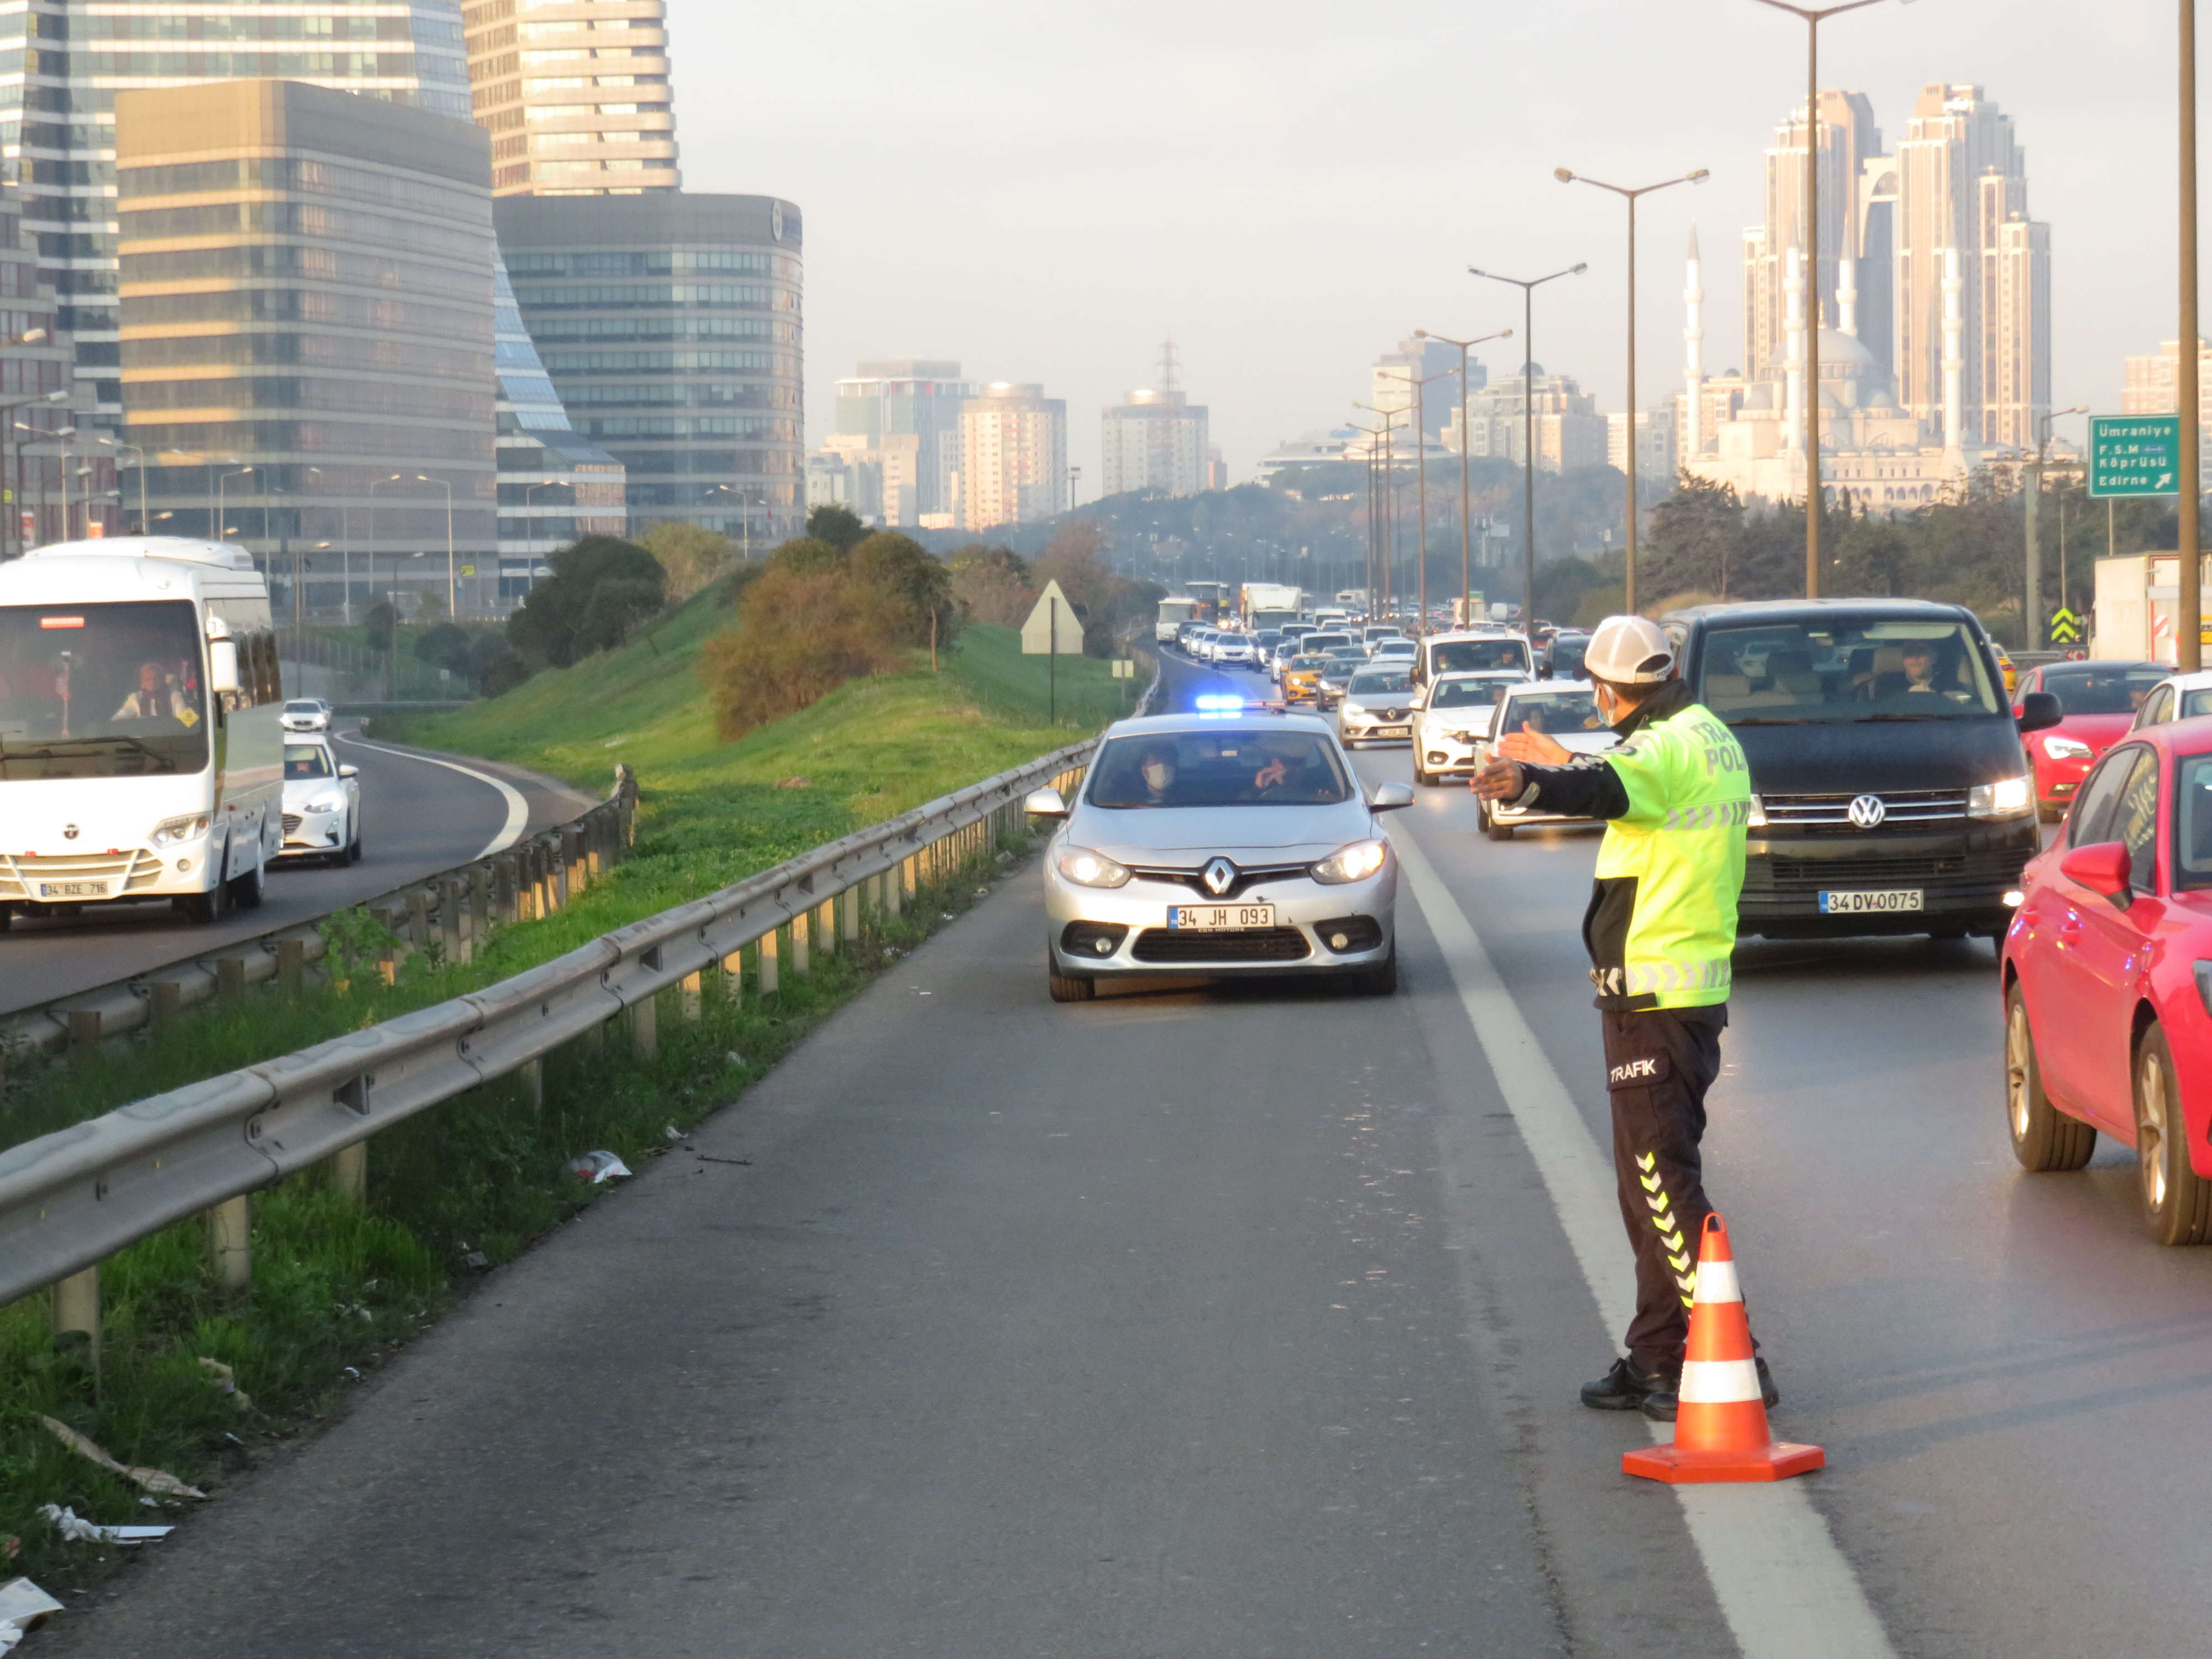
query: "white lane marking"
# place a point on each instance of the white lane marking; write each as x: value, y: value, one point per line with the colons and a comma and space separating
x: 518, y: 809
x: 1784, y: 1588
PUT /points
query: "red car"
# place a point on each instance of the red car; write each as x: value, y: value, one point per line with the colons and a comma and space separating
x: 2100, y: 700
x: 2107, y: 977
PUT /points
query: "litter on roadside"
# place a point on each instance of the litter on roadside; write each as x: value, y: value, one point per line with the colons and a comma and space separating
x: 24, y: 1607
x: 78, y: 1530
x: 597, y: 1168
x: 226, y: 1381
x: 733, y: 1056
x: 153, y: 1480
x: 671, y: 1132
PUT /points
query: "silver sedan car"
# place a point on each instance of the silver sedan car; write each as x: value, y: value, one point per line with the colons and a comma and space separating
x: 1377, y: 705
x: 1228, y: 843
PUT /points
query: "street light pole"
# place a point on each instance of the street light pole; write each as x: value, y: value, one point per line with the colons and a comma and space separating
x: 1529, y: 288
x: 1419, y: 389
x: 2031, y: 626
x: 1466, y: 524
x: 1373, y: 432
x: 1387, y: 497
x: 1814, y: 16
x: 2188, y: 633
x: 1566, y: 176
x: 452, y: 593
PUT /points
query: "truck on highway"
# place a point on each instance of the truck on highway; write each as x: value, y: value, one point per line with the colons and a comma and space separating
x: 1270, y: 605
x: 140, y: 754
x: 1175, y: 610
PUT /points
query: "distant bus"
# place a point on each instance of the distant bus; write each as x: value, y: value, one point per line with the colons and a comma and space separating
x: 140, y: 755
x: 1213, y: 600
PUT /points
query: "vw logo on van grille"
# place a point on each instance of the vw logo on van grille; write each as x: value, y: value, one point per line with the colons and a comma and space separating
x: 68, y: 832
x: 1868, y: 812
x: 1219, y: 876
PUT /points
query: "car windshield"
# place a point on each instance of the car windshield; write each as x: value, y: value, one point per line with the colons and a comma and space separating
x: 1567, y: 655
x: 1554, y: 712
x: 1327, y: 641
x: 1378, y: 682
x: 1465, y: 694
x: 1269, y: 636
x: 1308, y: 664
x: 303, y: 761
x: 2102, y: 690
x: 303, y: 708
x: 1472, y: 656
x: 100, y: 690
x: 1835, y: 669
x: 1248, y: 767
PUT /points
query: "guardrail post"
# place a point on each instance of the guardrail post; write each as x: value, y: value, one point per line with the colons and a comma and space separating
x: 764, y: 967
x: 165, y: 999
x: 350, y: 1173
x: 824, y: 929
x: 292, y: 965
x: 571, y: 854
x: 510, y: 899
x: 449, y: 920
x: 734, y: 978
x: 230, y: 1243
x: 230, y: 975
x: 83, y: 1029
x: 541, y: 881
x: 644, y: 1032
x: 695, y: 997
x: 897, y: 883
x: 387, y: 950
x: 418, y: 919
x: 853, y: 898
x: 801, y: 932
x: 532, y: 1075
x: 76, y: 1308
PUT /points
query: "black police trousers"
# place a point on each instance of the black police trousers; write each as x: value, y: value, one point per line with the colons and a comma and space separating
x: 1659, y: 1063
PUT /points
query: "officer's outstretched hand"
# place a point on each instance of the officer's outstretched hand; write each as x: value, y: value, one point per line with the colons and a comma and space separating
x: 1532, y: 745
x: 1500, y: 779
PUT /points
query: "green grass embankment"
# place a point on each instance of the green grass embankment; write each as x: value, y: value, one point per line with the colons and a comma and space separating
x: 475, y: 1180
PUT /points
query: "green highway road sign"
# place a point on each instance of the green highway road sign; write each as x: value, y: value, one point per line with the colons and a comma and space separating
x: 2135, y: 455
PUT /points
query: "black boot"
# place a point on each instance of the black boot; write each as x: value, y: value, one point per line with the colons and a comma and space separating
x: 1625, y: 1388
x: 1661, y: 1404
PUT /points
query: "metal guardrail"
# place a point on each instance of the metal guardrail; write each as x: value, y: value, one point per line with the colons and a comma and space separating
x: 71, y: 1198
x: 455, y: 908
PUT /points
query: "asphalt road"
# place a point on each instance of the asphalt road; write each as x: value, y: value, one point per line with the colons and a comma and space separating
x: 419, y: 818
x: 1246, y: 1322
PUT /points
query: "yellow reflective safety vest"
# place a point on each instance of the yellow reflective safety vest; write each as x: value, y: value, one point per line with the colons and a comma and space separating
x: 1662, y: 923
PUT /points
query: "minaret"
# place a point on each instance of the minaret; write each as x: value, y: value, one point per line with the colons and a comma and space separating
x: 1954, y: 361
x: 1847, y: 298
x: 1693, y: 352
x: 1793, y: 290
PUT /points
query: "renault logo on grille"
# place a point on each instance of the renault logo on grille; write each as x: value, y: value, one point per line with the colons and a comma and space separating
x: 1868, y: 812
x: 1219, y: 877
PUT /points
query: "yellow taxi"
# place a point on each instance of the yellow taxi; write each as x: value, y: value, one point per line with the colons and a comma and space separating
x: 1302, y: 678
x: 2004, y: 662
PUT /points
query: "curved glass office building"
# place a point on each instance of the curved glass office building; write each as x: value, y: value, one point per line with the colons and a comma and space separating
x: 670, y: 325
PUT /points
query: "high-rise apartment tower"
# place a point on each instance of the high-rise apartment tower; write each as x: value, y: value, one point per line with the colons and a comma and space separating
x: 575, y: 94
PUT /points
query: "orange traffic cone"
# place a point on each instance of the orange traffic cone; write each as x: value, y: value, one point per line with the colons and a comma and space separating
x: 1720, y: 1427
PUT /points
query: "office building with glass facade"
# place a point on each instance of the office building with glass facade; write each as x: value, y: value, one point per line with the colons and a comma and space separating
x: 574, y: 93
x: 670, y: 325
x: 306, y: 326
x: 63, y: 63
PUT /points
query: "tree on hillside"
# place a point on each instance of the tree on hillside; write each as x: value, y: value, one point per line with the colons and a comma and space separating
x: 601, y: 588
x: 1102, y: 598
x: 992, y: 584
x: 840, y: 526
x: 690, y: 555
x: 908, y: 586
x: 1694, y: 542
x: 805, y: 553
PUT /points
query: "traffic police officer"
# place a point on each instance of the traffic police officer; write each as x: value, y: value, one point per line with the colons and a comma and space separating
x: 1675, y: 796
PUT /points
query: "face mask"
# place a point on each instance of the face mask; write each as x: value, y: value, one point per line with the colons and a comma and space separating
x: 1157, y: 775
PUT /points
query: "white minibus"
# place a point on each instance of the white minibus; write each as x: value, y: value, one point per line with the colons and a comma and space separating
x: 140, y: 754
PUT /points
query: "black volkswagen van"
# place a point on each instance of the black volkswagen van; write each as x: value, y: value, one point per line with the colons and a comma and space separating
x: 1891, y: 794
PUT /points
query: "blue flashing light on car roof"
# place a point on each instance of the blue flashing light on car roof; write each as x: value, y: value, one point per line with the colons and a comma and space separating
x: 1215, y: 704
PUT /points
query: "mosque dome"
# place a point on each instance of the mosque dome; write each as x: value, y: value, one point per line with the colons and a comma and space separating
x: 1843, y: 357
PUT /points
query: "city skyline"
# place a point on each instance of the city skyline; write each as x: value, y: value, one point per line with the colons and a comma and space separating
x: 1275, y: 278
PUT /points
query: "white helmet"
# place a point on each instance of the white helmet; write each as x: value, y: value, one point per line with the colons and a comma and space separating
x: 1628, y: 651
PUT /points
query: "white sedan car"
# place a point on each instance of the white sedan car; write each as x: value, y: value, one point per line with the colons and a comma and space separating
x: 1227, y: 843
x: 1451, y: 719
x: 1563, y: 710
x: 306, y: 715
x: 322, y: 803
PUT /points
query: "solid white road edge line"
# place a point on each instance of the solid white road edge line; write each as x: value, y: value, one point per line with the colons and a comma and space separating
x: 518, y: 809
x: 1784, y: 1588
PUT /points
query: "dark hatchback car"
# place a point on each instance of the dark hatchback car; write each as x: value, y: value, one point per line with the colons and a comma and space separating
x: 1890, y: 791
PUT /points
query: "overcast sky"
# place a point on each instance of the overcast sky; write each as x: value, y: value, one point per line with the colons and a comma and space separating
x: 1043, y: 192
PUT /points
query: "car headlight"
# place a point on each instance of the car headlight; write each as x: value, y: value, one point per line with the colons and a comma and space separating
x: 1088, y: 869
x: 2066, y: 748
x: 326, y: 804
x: 1758, y: 818
x: 2007, y: 797
x: 1354, y: 863
x: 174, y: 832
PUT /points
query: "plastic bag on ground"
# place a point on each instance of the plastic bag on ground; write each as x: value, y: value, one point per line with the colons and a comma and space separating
x: 78, y: 1530
x: 597, y: 1168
